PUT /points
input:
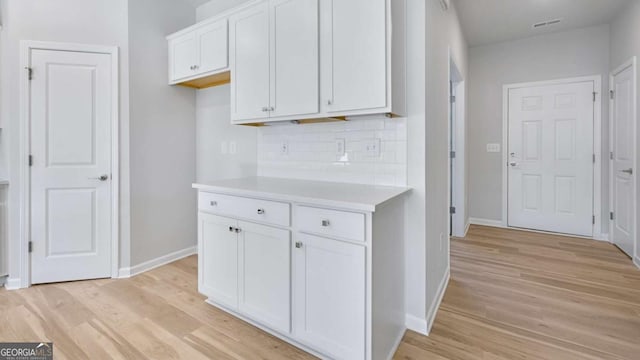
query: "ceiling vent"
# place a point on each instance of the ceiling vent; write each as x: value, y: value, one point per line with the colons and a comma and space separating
x: 546, y: 23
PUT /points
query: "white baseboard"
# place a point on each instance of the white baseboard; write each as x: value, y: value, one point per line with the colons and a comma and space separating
x: 466, y: 229
x: 396, y: 345
x: 13, y: 284
x: 433, y: 309
x: 601, y: 237
x: 486, y: 222
x: 157, y: 262
x: 636, y: 261
x: 416, y: 324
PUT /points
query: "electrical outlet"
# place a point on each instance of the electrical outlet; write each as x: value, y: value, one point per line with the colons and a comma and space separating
x: 284, y: 148
x: 372, y: 147
x: 493, y: 148
x: 340, y: 147
x: 232, y: 147
x: 224, y: 148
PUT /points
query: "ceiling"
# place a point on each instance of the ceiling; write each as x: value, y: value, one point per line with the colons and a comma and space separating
x: 490, y: 21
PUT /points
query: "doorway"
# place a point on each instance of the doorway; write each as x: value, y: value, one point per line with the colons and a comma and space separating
x: 70, y: 104
x: 551, y: 156
x: 457, y: 153
x: 623, y: 157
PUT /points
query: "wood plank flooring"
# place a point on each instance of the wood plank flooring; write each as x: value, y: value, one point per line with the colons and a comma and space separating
x: 512, y: 295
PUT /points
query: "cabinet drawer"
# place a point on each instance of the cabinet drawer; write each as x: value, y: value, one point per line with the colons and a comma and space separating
x: 265, y: 211
x: 336, y: 223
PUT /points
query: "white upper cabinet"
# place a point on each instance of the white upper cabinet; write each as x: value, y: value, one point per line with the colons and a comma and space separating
x: 274, y: 61
x: 294, y: 58
x: 354, y: 55
x: 199, y: 52
x: 249, y: 60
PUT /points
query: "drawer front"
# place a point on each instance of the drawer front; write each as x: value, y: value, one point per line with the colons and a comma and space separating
x: 342, y: 224
x: 265, y: 211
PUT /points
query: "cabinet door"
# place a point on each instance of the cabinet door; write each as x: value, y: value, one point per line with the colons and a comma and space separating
x: 183, y: 52
x: 354, y: 73
x: 249, y: 58
x: 218, y: 259
x: 213, y: 44
x: 294, y: 57
x: 265, y: 275
x: 329, y: 293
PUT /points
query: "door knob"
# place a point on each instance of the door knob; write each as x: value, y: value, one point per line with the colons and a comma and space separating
x: 513, y: 163
x: 260, y: 211
x: 101, y: 178
x: 627, y: 171
x: 299, y: 245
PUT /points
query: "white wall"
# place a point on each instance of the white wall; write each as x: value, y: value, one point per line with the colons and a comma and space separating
x: 444, y: 37
x: 575, y: 53
x: 625, y: 43
x: 214, y: 131
x: 312, y: 151
x: 215, y: 7
x: 162, y: 135
x: 100, y: 22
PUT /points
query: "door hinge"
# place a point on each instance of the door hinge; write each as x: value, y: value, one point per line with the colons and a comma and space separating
x: 594, y: 158
x: 452, y: 210
x: 611, y: 217
x: 594, y: 96
x: 30, y: 246
x: 611, y: 155
x: 612, y: 94
x: 593, y: 219
x: 453, y: 99
x: 30, y: 160
x: 29, y: 73
x: 452, y: 154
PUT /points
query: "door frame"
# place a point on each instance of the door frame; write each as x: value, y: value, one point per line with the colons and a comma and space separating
x: 597, y: 146
x: 631, y: 63
x: 26, y: 46
x: 456, y: 182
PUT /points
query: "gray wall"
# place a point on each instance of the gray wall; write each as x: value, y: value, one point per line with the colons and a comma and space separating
x: 581, y: 52
x: 625, y: 43
x: 162, y: 137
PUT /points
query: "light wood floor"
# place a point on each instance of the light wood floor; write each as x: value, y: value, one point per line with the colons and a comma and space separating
x: 512, y: 295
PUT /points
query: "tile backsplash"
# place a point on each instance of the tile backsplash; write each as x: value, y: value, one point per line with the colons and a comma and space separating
x: 375, y: 151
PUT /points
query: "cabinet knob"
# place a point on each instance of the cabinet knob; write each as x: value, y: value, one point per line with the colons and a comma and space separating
x: 214, y: 203
x: 260, y: 211
x: 237, y: 230
x: 326, y: 223
x: 272, y: 109
x: 265, y: 109
x: 299, y: 245
x: 230, y: 228
x: 329, y: 102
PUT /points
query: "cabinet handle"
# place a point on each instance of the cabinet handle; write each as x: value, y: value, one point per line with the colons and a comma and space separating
x: 272, y: 109
x: 298, y: 245
x: 265, y: 109
x: 329, y: 102
x: 237, y: 230
x: 214, y: 203
x: 260, y: 211
x: 326, y: 223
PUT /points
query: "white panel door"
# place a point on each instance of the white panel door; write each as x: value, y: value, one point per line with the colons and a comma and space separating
x: 354, y: 54
x: 551, y: 158
x: 218, y: 245
x: 294, y: 57
x: 265, y: 275
x: 213, y: 47
x: 249, y: 60
x: 623, y: 147
x: 329, y: 296
x: 71, y: 111
x: 184, y: 56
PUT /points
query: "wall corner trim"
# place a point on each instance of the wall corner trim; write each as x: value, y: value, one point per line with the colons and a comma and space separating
x: 157, y: 262
x: 636, y: 261
x: 435, y: 305
x: 13, y: 284
x: 416, y: 324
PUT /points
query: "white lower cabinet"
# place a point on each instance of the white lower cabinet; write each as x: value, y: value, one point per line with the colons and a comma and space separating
x: 327, y: 280
x: 264, y: 274
x: 329, y: 293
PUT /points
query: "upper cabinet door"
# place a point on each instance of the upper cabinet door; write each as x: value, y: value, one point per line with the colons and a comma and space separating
x: 294, y: 57
x: 354, y: 56
x: 184, y: 56
x: 249, y: 59
x: 213, y: 43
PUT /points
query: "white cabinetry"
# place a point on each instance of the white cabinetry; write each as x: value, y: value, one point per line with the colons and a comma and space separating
x: 274, y: 61
x: 199, y: 51
x: 329, y: 281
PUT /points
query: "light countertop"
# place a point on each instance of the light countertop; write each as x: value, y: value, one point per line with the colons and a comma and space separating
x: 350, y: 196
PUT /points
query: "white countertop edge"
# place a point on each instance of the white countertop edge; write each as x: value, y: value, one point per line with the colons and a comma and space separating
x: 300, y: 199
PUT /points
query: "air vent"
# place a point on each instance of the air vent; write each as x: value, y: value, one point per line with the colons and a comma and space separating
x: 546, y: 23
